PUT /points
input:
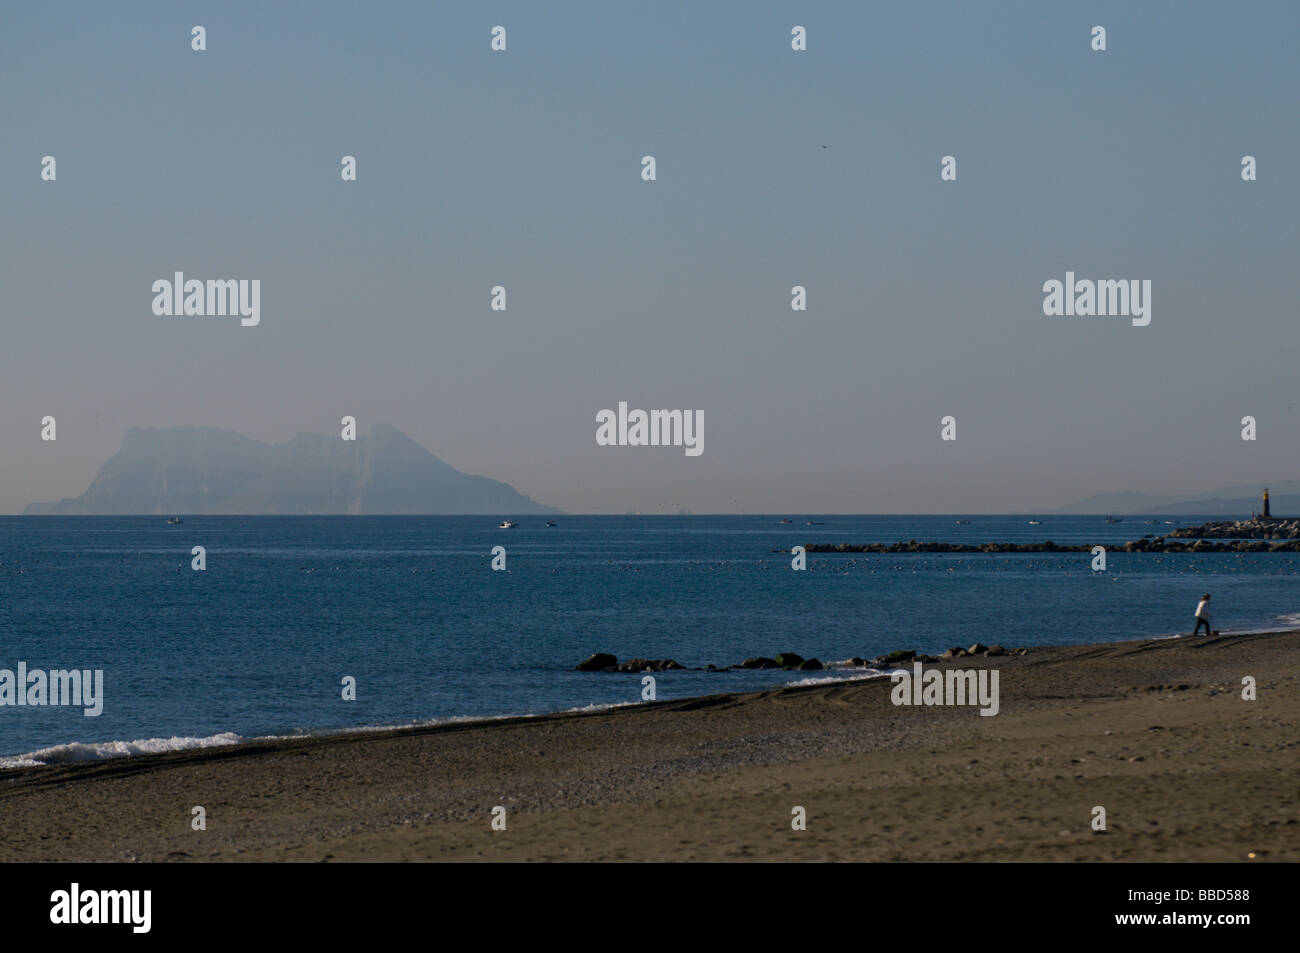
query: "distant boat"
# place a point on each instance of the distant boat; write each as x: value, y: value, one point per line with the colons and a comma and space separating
x: 174, y: 521
x: 787, y: 521
x: 1111, y: 519
x: 962, y: 522
x: 550, y: 522
x: 1151, y: 522
x: 815, y: 523
x: 1171, y: 522
x: 507, y: 524
x: 1035, y: 522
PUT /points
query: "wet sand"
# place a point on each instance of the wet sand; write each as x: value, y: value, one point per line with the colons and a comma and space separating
x: 1156, y: 732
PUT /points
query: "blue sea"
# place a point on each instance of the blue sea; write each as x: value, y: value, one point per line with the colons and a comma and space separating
x: 259, y: 643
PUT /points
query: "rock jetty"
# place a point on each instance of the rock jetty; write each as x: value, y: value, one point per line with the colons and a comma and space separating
x: 1151, y: 544
x: 1243, y: 529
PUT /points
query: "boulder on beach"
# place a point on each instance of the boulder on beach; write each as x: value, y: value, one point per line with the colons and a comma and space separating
x: 955, y: 652
x: 996, y: 650
x: 977, y: 648
x: 759, y: 662
x: 897, y: 658
x: 789, y: 659
x: 810, y: 665
x: 598, y: 663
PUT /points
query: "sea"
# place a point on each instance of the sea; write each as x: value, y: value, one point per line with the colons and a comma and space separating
x: 407, y: 613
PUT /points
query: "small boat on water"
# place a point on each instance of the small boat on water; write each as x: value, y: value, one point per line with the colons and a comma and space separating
x: 507, y: 524
x: 783, y: 522
x: 550, y: 522
x: 815, y: 523
x: 963, y: 522
x: 1171, y: 522
x: 175, y: 520
x: 1035, y: 522
x: 1111, y: 519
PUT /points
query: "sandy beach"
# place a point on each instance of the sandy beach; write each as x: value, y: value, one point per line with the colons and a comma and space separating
x: 1156, y: 732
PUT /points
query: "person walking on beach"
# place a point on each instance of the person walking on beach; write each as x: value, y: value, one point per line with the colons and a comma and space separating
x: 1203, y: 616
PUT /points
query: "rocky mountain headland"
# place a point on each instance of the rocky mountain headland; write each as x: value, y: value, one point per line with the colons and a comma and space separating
x: 207, y: 470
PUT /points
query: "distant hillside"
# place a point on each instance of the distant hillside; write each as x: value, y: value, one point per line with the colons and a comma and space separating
x: 208, y: 470
x: 1236, y: 501
x: 1239, y: 508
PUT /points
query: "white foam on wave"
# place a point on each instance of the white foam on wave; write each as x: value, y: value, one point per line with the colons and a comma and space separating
x: 77, y: 751
x: 601, y: 707
x: 858, y: 675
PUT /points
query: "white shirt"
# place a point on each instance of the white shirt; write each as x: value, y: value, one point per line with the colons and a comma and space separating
x: 1203, y: 609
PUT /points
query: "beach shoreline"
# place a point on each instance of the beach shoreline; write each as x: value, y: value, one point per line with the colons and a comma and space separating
x: 1153, y: 730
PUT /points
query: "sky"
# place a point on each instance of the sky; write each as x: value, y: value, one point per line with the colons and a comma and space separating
x: 774, y: 168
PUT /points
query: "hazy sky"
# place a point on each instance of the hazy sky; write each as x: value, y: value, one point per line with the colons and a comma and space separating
x: 523, y: 169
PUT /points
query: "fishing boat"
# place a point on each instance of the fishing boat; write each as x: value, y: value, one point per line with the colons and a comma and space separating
x: 1035, y: 522
x: 507, y: 524
x: 175, y: 520
x: 550, y: 522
